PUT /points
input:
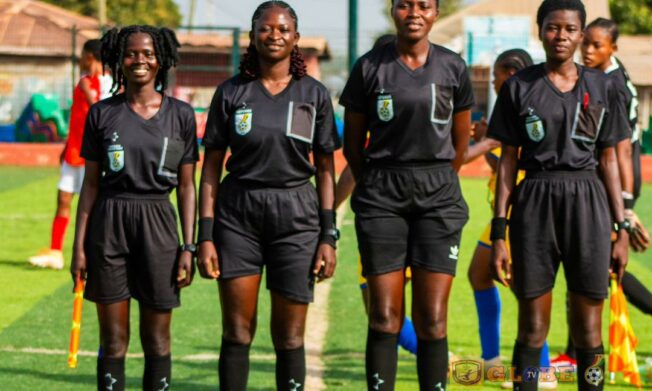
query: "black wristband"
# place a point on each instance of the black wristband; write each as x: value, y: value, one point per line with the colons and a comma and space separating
x: 329, y: 240
x: 327, y: 219
x: 205, y: 230
x: 629, y: 203
x: 498, y: 228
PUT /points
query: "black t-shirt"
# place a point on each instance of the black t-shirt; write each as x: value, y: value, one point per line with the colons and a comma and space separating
x: 555, y: 130
x: 409, y: 111
x: 138, y: 155
x: 271, y: 136
x: 628, y: 93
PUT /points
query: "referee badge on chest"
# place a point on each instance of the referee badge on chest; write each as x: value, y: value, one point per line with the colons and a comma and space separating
x: 243, y: 118
x: 385, y: 107
x: 116, y: 157
x: 534, y: 126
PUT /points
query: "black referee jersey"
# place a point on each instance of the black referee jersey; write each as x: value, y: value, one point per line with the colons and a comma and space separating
x: 625, y: 86
x: 140, y: 156
x: 556, y: 130
x: 409, y: 111
x: 271, y: 136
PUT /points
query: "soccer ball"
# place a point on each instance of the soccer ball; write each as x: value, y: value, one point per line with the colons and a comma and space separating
x: 594, y: 375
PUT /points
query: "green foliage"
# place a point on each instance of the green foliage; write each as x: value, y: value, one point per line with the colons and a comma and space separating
x: 125, y: 12
x: 632, y: 16
x: 447, y: 7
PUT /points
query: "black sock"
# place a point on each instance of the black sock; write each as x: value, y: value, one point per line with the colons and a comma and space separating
x: 233, y: 366
x: 110, y: 374
x: 158, y: 373
x: 381, y: 360
x: 570, y: 348
x: 526, y: 367
x: 432, y: 364
x: 291, y: 369
x: 590, y: 369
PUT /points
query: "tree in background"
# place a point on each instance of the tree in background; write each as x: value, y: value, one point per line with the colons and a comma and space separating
x: 632, y: 16
x: 125, y: 12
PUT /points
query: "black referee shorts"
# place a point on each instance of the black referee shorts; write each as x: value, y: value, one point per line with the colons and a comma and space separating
x: 277, y: 228
x: 560, y: 217
x: 409, y: 215
x: 131, y: 248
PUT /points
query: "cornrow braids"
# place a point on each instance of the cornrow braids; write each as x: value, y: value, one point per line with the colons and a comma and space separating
x: 548, y: 6
x: 249, y: 65
x: 608, y: 25
x: 114, y: 44
x: 515, y: 59
x: 391, y: 4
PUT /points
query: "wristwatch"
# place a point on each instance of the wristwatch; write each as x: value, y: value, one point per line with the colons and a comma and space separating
x: 190, y: 247
x: 333, y: 232
x: 625, y: 224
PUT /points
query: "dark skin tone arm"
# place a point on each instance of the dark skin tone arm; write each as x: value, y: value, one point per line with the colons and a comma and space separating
x: 507, y: 170
x: 461, y: 137
x: 625, y: 165
x: 355, y: 135
x: 210, y: 182
x: 325, y: 262
x: 609, y: 170
x: 186, y: 206
x: 87, y: 197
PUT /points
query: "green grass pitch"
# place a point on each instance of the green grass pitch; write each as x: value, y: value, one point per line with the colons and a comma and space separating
x: 36, y: 308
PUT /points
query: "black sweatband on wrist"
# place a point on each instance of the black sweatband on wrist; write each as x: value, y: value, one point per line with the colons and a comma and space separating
x: 205, y: 229
x: 498, y: 228
x: 326, y: 219
x: 329, y: 240
x: 629, y: 203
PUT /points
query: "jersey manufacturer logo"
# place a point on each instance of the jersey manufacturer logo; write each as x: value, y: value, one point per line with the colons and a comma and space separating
x: 116, y: 157
x: 243, y: 118
x: 534, y: 126
x: 455, y: 252
x: 385, y: 107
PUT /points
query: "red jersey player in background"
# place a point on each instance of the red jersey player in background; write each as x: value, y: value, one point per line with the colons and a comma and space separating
x: 88, y: 91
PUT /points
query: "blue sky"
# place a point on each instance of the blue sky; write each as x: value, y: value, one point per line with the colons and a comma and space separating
x: 328, y: 18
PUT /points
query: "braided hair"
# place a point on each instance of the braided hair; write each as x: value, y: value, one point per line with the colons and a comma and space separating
x: 608, y: 25
x: 114, y: 44
x: 391, y: 3
x: 514, y: 59
x: 548, y: 6
x: 250, y: 67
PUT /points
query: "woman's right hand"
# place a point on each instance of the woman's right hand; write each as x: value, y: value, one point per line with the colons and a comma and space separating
x: 78, y: 266
x: 501, y: 267
x: 207, y: 260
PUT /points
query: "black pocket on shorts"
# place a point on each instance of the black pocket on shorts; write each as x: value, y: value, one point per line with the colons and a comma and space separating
x: 588, y: 122
x: 442, y: 103
x: 171, y: 157
x: 301, y: 121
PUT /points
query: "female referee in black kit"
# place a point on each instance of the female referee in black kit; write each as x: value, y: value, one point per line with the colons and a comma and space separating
x: 415, y: 99
x: 266, y: 213
x: 139, y: 145
x: 567, y: 120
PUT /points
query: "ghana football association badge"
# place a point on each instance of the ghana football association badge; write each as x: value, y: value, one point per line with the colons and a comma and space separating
x: 534, y: 126
x: 243, y: 118
x: 385, y: 107
x: 116, y: 157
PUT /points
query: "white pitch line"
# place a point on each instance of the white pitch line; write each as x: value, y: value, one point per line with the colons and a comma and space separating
x: 317, y: 327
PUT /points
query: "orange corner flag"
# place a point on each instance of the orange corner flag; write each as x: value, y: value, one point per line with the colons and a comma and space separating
x: 622, y: 341
x: 75, y: 329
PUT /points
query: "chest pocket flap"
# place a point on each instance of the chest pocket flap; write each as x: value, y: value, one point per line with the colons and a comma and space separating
x: 442, y: 103
x: 588, y: 122
x: 301, y: 121
x: 170, y: 157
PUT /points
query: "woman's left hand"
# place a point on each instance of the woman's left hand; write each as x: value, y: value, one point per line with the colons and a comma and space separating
x: 185, y: 269
x: 325, y: 262
x: 619, y: 255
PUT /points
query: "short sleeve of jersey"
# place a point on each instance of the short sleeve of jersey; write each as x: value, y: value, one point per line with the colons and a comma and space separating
x: 353, y: 97
x: 92, y: 140
x: 616, y: 125
x: 216, y: 135
x: 191, y: 150
x: 503, y: 125
x: 463, y: 97
x: 327, y: 139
